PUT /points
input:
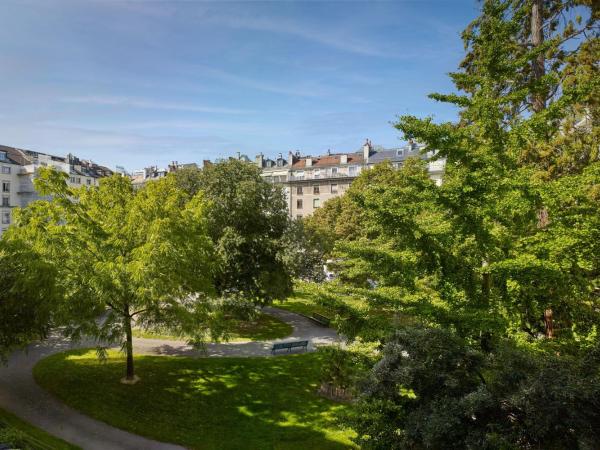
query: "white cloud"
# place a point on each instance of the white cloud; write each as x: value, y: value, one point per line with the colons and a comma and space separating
x: 331, y: 38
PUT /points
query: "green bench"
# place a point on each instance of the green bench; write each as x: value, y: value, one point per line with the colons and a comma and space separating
x: 320, y: 319
x: 289, y: 346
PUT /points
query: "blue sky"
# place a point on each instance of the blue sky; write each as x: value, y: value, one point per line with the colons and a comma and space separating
x: 146, y: 82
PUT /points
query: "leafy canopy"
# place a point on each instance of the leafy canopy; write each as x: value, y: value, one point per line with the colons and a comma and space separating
x: 121, y: 254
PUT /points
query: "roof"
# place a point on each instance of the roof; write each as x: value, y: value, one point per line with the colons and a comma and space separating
x: 15, y: 155
x: 329, y: 160
x: 395, y: 154
x: 24, y: 157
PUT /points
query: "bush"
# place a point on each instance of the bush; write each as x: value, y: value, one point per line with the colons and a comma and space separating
x: 343, y: 368
x: 431, y: 389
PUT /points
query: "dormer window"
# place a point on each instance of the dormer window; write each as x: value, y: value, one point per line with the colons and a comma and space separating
x: 3, y: 156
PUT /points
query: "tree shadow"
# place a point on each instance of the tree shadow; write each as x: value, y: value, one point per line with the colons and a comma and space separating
x: 208, y: 403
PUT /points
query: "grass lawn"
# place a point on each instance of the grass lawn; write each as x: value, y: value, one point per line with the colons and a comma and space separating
x: 302, y: 303
x: 203, y: 403
x: 25, y: 436
x: 264, y: 328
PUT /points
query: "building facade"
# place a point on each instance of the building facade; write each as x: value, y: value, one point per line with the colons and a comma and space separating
x: 141, y: 176
x: 310, y: 181
x: 19, y: 168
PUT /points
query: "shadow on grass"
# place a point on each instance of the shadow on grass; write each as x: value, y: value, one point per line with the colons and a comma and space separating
x: 203, y: 403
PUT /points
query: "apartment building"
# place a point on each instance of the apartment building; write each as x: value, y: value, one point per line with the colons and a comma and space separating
x: 141, y: 176
x: 309, y: 181
x: 19, y: 168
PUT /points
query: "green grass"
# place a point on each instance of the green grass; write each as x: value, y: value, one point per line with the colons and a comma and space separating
x: 25, y: 436
x: 203, y: 403
x: 264, y: 328
x: 302, y: 303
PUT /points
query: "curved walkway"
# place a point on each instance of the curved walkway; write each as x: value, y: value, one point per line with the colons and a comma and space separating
x: 20, y: 394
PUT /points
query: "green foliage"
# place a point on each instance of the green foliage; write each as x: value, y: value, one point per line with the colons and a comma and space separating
x: 336, y: 219
x: 304, y: 250
x: 500, y: 262
x: 508, y: 238
x: 122, y: 254
x: 28, y: 295
x: 246, y: 220
x: 204, y: 403
x: 258, y: 327
x: 433, y: 390
x: 344, y: 367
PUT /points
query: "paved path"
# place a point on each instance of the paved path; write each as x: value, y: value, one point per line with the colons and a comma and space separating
x: 20, y: 394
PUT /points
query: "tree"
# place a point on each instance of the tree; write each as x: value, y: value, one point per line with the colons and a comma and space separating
x: 498, y: 267
x: 246, y: 220
x: 28, y: 296
x: 120, y: 255
x: 489, y: 252
x: 304, y: 250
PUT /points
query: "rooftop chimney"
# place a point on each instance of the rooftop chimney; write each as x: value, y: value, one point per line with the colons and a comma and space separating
x: 309, y: 162
x: 259, y: 160
x: 366, y: 150
x: 344, y: 159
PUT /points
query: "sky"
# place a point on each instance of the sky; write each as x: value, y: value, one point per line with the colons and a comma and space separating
x: 144, y: 83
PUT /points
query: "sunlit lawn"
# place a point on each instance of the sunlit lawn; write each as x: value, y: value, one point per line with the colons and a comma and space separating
x: 203, y: 403
x: 264, y: 328
x: 303, y: 302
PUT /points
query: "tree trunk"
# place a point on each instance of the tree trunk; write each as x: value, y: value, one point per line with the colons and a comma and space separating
x: 130, y: 375
x: 549, y: 323
x: 537, y: 38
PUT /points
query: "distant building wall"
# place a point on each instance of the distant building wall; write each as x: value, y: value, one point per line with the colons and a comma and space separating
x: 19, y: 168
x: 309, y: 181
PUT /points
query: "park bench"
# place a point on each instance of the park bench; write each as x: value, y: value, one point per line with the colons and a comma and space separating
x: 289, y: 346
x: 321, y: 320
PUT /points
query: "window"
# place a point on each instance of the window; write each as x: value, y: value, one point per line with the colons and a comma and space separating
x: 316, y: 190
x: 89, y: 181
x: 78, y: 180
x: 298, y: 216
x: 6, y: 200
x: 5, y: 169
x: 72, y: 179
x: 299, y: 190
x: 298, y: 204
x: 6, y: 218
x: 334, y: 189
x: 317, y: 173
x: 352, y: 171
x: 316, y: 203
x: 5, y: 186
x: 300, y: 175
x: 334, y: 171
x: 2, y: 156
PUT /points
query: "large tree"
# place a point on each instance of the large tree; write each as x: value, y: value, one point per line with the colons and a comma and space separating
x: 509, y: 242
x: 504, y: 254
x: 121, y: 255
x: 247, y: 220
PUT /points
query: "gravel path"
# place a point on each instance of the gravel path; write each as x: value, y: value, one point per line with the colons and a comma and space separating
x: 20, y: 394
